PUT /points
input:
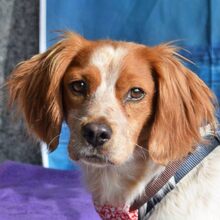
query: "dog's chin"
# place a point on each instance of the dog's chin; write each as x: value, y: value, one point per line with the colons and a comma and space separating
x: 96, y: 160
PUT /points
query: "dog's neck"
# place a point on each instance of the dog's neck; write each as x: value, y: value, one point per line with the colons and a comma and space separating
x: 120, y: 185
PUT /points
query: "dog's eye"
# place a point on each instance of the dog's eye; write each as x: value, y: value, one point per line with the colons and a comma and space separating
x: 135, y: 94
x: 79, y: 87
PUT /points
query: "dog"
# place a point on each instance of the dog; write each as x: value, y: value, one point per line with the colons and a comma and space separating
x: 131, y: 110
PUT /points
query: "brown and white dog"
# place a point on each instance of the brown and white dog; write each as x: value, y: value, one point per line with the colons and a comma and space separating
x: 131, y: 109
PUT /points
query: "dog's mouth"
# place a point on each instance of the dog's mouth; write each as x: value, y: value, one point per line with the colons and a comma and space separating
x: 96, y: 160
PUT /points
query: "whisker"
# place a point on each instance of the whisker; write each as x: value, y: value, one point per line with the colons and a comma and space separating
x: 3, y: 86
x: 141, y: 154
x: 53, y: 139
x: 76, y: 118
x: 141, y: 151
x: 142, y: 148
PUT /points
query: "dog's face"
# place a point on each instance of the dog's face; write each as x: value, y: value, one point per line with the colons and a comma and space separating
x: 115, y: 96
x: 106, y: 88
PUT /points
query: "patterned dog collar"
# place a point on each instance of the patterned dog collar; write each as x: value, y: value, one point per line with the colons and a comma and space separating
x: 108, y: 212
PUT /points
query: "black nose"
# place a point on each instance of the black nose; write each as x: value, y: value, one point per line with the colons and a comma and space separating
x: 96, y: 134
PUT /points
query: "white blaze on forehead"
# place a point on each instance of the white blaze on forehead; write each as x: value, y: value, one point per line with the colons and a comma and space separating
x: 108, y: 55
x: 109, y: 61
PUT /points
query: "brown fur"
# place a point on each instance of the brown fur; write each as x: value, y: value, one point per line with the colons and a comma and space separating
x: 35, y: 86
x: 183, y: 103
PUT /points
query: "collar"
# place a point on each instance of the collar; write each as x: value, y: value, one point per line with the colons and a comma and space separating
x: 108, y: 212
x: 157, y: 189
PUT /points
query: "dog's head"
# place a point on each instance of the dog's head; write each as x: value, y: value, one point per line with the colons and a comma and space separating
x: 116, y: 97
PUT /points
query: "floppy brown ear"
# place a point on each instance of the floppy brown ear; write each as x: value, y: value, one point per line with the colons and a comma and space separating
x: 184, y: 104
x: 35, y: 85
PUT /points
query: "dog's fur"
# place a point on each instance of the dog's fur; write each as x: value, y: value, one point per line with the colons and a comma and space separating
x: 146, y: 134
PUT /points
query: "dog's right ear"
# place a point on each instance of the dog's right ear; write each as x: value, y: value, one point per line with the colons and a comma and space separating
x: 35, y: 86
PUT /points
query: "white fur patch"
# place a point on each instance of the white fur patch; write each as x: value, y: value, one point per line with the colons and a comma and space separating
x: 109, y: 61
x: 196, y: 196
x: 108, y: 185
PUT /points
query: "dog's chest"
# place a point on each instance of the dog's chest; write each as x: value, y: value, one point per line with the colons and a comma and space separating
x: 196, y: 196
x: 120, y: 187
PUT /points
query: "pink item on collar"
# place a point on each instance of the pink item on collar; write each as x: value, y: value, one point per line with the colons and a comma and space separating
x: 108, y: 212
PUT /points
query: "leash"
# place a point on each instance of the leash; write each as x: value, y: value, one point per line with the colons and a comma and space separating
x: 176, y: 170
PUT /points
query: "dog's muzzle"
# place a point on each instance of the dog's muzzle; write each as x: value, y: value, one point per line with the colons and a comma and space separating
x: 96, y: 134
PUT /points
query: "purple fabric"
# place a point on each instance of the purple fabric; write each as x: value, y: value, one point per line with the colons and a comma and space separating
x: 30, y: 192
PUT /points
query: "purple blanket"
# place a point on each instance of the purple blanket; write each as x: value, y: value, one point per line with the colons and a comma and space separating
x: 30, y: 192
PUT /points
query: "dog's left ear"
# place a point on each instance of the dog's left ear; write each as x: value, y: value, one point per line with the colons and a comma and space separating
x: 184, y: 104
x: 35, y: 86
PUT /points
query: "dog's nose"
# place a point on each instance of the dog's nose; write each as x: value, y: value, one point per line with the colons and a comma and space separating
x: 96, y: 134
